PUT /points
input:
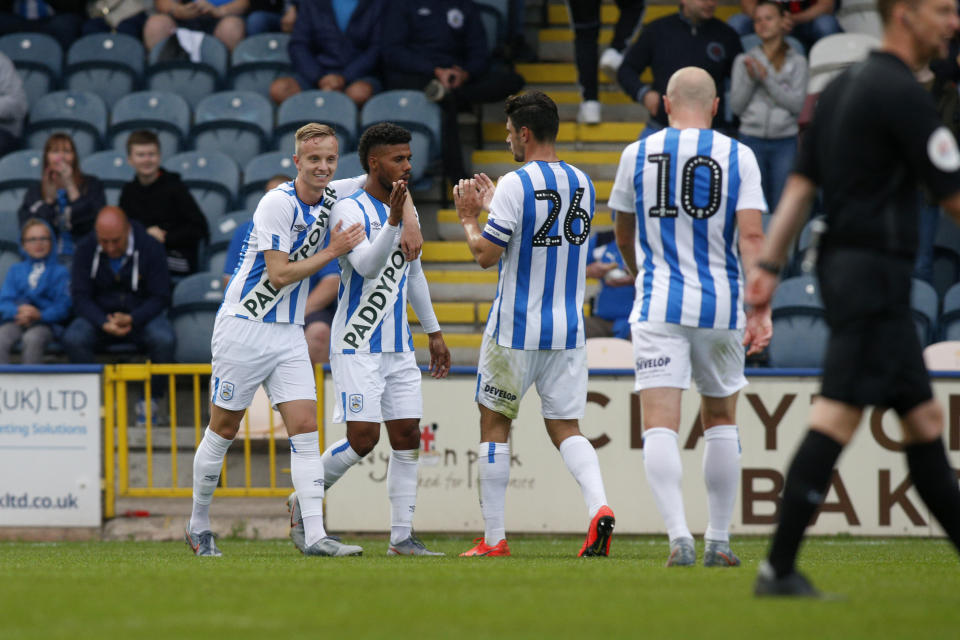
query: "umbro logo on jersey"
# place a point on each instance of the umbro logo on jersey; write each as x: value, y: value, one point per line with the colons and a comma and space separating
x: 376, y: 225
x: 299, y: 227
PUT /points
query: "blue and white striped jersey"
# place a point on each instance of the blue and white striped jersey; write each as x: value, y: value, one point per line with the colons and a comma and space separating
x: 282, y: 222
x: 541, y: 213
x: 686, y: 186
x: 392, y: 334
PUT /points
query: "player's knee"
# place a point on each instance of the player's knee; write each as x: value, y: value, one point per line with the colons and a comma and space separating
x: 923, y: 423
x: 363, y: 442
x: 283, y: 88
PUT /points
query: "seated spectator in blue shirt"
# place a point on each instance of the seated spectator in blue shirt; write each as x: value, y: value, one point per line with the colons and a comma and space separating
x: 223, y: 19
x: 439, y: 46
x: 35, y: 298
x: 65, y: 198
x: 335, y: 46
x: 61, y: 19
x: 611, y: 308
x: 121, y: 291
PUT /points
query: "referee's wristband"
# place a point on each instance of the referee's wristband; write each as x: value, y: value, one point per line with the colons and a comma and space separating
x: 770, y: 267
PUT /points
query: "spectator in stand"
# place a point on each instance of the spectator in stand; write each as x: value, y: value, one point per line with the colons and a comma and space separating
x: 221, y: 18
x: 61, y: 19
x: 585, y: 20
x: 13, y: 106
x: 121, y: 291
x: 127, y: 17
x: 335, y: 46
x: 767, y: 91
x: 35, y: 298
x: 439, y: 46
x: 67, y: 199
x: 271, y: 16
x: 159, y: 200
x: 693, y: 37
x: 806, y: 20
x: 612, y: 305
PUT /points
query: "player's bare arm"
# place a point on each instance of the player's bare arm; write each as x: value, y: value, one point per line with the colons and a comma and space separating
x: 624, y: 231
x: 469, y: 203
x: 759, y: 329
x: 439, y: 355
x: 282, y: 271
x: 411, y: 238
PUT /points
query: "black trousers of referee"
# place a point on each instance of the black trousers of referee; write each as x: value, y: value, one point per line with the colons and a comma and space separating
x: 494, y: 85
x: 585, y: 21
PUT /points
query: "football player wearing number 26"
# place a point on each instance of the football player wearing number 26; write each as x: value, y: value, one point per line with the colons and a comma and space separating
x: 537, y: 231
x: 683, y: 196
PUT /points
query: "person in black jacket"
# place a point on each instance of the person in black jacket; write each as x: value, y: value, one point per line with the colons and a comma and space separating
x: 67, y: 199
x: 121, y: 290
x: 440, y: 46
x: 691, y: 38
x: 160, y: 201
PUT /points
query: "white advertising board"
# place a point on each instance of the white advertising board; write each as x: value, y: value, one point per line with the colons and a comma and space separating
x: 870, y: 495
x: 50, y: 450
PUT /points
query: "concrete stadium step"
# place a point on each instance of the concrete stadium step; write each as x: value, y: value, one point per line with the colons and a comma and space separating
x: 599, y: 165
x: 622, y: 133
x: 448, y: 224
x: 462, y: 285
x: 559, y: 73
x: 450, y: 313
x: 464, y: 347
x: 446, y: 252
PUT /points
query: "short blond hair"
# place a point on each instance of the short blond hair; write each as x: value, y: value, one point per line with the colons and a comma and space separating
x: 312, y: 130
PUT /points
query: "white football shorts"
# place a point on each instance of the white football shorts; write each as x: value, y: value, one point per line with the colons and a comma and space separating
x: 247, y: 354
x: 375, y: 387
x: 665, y: 355
x: 504, y: 375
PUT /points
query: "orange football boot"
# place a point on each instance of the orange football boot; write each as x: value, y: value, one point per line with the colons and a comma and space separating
x: 599, y: 534
x: 483, y: 549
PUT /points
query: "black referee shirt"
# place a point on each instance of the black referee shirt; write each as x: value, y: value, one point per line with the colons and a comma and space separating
x: 875, y: 137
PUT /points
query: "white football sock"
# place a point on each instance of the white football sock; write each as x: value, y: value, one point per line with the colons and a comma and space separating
x: 494, y: 475
x: 661, y: 460
x: 721, y: 473
x: 207, y: 462
x: 581, y: 460
x: 306, y: 471
x: 339, y: 457
x: 402, y: 491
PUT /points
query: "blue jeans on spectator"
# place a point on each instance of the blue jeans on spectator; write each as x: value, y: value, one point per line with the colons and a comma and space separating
x: 775, y: 157
x: 81, y: 340
x: 263, y: 22
x: 928, y: 218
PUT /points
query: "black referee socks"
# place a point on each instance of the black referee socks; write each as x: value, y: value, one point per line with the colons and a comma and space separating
x: 804, y: 490
x: 936, y: 483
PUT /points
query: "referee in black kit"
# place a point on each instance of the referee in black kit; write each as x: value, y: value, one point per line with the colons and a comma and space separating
x: 875, y: 137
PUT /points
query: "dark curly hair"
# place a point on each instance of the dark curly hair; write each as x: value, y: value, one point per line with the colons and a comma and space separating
x: 380, y: 135
x: 536, y: 111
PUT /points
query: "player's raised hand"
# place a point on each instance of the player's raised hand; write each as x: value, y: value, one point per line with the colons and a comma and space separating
x: 439, y: 355
x: 398, y: 196
x: 486, y: 187
x: 343, y: 240
x: 467, y: 199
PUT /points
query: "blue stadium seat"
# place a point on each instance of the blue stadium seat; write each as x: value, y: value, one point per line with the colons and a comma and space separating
x: 212, y: 177
x: 113, y: 170
x: 237, y: 123
x: 221, y: 233
x: 924, y: 304
x: 166, y: 114
x: 258, y: 60
x: 409, y: 109
x: 81, y: 114
x: 259, y: 170
x: 327, y: 107
x: 946, y: 255
x: 18, y: 170
x: 800, y: 331
x: 9, y: 233
x: 495, y: 15
x: 193, y: 310
x: 349, y: 166
x: 192, y: 80
x: 39, y: 59
x: 108, y: 64
x: 420, y: 152
x: 949, y: 322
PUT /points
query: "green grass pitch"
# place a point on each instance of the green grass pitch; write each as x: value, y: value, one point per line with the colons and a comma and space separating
x: 895, y: 588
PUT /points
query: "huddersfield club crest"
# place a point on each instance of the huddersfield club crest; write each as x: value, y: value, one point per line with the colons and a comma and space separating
x: 226, y: 391
x: 356, y: 402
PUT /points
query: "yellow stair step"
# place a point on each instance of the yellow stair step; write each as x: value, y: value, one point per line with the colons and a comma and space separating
x: 449, y: 313
x: 609, y: 13
x: 449, y: 216
x: 566, y: 35
x: 453, y: 340
x: 439, y: 251
x: 572, y: 157
x: 558, y: 73
x: 625, y: 132
x: 573, y: 97
x: 466, y: 276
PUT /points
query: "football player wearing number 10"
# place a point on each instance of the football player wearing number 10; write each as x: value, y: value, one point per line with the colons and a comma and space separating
x: 537, y: 230
x: 682, y: 196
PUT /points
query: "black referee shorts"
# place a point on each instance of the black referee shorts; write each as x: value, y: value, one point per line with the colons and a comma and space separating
x: 874, y: 356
